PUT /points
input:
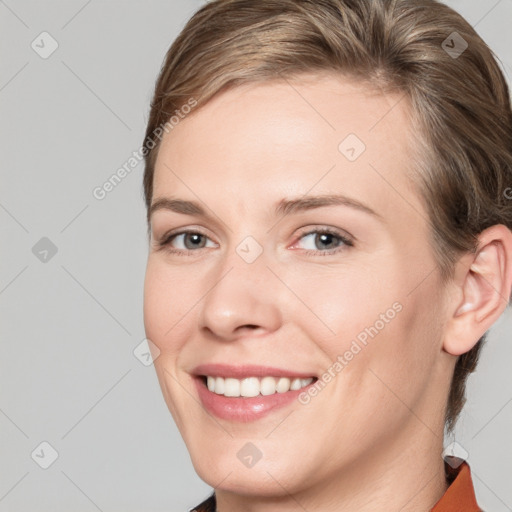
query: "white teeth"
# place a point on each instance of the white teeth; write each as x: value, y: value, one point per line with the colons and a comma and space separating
x: 283, y: 385
x: 219, y: 386
x: 296, y: 384
x: 231, y: 387
x: 268, y: 386
x: 250, y: 387
x: 254, y: 386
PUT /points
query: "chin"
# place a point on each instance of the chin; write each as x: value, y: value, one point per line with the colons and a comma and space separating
x: 223, y: 470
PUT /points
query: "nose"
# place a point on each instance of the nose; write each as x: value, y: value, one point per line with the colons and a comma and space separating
x: 241, y: 298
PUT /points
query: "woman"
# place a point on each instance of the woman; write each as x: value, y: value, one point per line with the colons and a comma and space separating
x: 312, y: 377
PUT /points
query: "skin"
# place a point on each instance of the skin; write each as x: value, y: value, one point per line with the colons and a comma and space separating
x: 372, y: 438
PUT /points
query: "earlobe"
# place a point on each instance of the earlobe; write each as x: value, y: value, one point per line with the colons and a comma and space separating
x: 485, y: 281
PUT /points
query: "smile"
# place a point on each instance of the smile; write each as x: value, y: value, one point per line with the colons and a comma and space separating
x: 254, y: 386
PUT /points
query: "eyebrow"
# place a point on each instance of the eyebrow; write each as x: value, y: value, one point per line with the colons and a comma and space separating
x: 282, y: 208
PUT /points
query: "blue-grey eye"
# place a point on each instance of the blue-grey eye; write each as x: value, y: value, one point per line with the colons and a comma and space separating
x: 318, y: 240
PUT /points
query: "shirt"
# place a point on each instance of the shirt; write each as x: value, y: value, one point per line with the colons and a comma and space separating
x: 459, y: 497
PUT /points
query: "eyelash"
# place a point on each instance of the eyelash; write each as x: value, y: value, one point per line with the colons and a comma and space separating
x: 346, y: 242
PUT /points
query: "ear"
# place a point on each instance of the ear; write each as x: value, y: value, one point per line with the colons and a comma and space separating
x: 483, y: 283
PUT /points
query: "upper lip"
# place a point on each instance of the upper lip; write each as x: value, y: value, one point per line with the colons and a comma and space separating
x: 244, y: 371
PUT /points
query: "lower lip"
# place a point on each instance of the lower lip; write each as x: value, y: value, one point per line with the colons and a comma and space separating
x: 244, y: 409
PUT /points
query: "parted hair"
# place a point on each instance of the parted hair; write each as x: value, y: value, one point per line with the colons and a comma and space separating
x: 421, y: 49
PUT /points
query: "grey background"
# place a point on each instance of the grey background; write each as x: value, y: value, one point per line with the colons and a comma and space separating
x: 69, y: 325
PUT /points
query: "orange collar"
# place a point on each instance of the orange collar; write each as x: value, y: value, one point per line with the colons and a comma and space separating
x: 460, y: 496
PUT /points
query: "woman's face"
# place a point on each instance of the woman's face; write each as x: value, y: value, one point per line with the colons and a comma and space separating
x: 269, y: 277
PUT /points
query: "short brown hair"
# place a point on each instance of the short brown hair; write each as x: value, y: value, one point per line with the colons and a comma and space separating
x: 460, y: 103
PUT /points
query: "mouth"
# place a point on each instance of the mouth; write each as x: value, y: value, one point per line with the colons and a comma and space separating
x: 249, y: 398
x: 254, y: 386
x: 244, y: 393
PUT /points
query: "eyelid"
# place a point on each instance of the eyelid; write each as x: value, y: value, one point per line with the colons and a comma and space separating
x: 346, y: 239
x: 168, y: 236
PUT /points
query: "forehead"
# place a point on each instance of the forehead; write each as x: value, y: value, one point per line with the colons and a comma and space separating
x: 269, y: 140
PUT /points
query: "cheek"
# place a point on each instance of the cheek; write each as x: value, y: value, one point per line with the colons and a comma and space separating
x: 167, y: 302
x: 399, y: 359
x: 376, y: 329
x: 164, y: 306
x: 345, y: 304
